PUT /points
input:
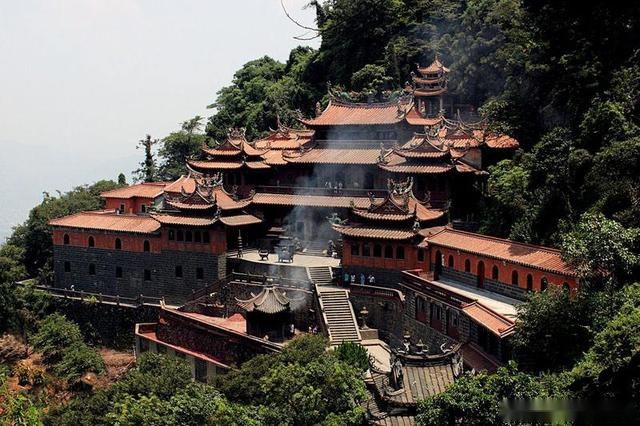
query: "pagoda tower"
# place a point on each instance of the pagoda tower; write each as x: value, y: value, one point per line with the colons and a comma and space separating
x: 429, y: 87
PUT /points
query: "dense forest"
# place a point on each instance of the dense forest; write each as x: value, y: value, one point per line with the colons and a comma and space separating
x: 562, y: 77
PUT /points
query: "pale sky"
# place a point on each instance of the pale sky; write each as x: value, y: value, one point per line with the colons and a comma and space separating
x: 82, y: 80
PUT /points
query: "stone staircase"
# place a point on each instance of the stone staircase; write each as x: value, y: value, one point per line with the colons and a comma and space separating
x: 320, y: 275
x: 314, y: 249
x: 338, y: 315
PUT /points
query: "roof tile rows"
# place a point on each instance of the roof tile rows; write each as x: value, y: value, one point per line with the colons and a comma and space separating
x: 539, y: 257
x: 310, y: 200
x: 494, y: 322
x: 359, y: 231
x: 108, y: 221
x: 142, y: 190
x: 340, y: 113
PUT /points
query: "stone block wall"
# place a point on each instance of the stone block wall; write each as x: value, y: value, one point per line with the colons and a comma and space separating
x: 162, y: 266
x: 385, y: 314
x: 384, y: 277
x: 489, y: 284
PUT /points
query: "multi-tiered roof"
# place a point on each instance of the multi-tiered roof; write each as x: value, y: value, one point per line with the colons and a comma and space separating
x: 398, y: 216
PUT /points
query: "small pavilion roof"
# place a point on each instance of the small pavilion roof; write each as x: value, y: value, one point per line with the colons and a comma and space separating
x: 142, y: 190
x: 341, y: 113
x: 538, y: 257
x: 492, y: 321
x: 268, y: 301
x: 434, y: 68
x: 108, y: 220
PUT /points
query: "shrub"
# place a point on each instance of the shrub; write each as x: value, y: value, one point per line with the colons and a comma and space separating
x: 77, y: 360
x: 55, y: 335
x: 353, y: 354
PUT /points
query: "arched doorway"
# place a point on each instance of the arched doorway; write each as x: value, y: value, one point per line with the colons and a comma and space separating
x: 480, y: 274
x: 438, y: 267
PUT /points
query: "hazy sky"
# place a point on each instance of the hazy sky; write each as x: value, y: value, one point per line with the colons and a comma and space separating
x: 82, y: 80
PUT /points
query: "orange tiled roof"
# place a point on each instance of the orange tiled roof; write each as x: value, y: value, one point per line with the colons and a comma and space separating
x: 415, y: 119
x: 167, y: 219
x: 186, y: 182
x: 336, y: 156
x: 310, y: 200
x: 477, y: 359
x: 142, y: 190
x: 361, y: 231
x: 240, y: 220
x: 340, y: 113
x: 108, y: 221
x: 495, y: 323
x: 538, y: 257
x: 416, y: 168
x: 433, y: 68
x: 227, y: 165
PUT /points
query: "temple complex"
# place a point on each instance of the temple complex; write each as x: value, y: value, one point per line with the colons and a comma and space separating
x: 366, y: 213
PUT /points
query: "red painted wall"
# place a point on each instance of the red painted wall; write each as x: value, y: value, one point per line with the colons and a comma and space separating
x: 410, y: 260
x: 131, y: 205
x: 135, y: 242
x: 504, y: 269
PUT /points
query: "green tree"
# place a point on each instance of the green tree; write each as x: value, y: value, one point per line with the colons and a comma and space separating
x: 122, y: 180
x: 600, y: 249
x: 148, y: 170
x: 54, y: 336
x: 475, y: 400
x: 353, y: 354
x: 611, y: 367
x: 176, y: 149
x: 552, y: 329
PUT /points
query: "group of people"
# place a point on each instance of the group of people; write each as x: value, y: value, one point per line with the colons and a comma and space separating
x: 350, y: 279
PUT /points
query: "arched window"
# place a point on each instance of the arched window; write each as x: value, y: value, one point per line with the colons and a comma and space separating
x: 420, y: 255
x: 388, y: 252
x: 544, y: 284
x: 400, y: 252
x: 438, y: 267
x: 529, y: 282
x: 146, y: 246
x: 377, y: 250
x: 450, y: 261
x: 118, y: 244
x: 514, y: 277
x: 467, y: 265
x: 65, y: 239
x: 480, y: 274
x: 91, y: 242
x: 495, y: 273
x: 565, y: 286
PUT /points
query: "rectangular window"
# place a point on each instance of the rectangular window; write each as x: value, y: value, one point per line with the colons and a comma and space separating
x: 197, y: 236
x: 187, y: 236
x: 172, y: 235
x: 199, y: 273
x: 366, y: 250
x: 355, y: 249
x: 143, y: 208
x: 147, y: 275
x: 118, y: 271
x: 201, y: 370
x: 180, y: 235
x: 67, y: 266
x: 205, y: 237
x: 178, y: 271
x: 92, y: 269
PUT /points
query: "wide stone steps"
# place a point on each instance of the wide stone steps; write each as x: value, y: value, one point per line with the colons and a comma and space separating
x: 340, y: 318
x: 321, y: 275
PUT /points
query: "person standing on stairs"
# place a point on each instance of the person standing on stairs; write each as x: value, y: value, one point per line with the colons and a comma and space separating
x: 362, y: 279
